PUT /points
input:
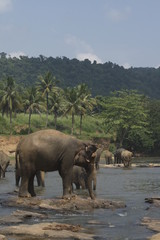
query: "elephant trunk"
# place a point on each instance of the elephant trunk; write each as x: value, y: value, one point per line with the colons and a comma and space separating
x: 89, y: 181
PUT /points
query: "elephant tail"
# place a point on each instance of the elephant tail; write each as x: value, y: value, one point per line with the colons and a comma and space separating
x: 17, y: 166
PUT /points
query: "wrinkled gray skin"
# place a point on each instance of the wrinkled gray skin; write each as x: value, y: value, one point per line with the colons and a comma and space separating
x: 79, y: 178
x: 123, y: 156
x: 4, y: 162
x: 50, y: 150
x: 97, y: 157
x: 108, y: 157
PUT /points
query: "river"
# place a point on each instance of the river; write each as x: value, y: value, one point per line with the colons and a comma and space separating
x: 131, y: 186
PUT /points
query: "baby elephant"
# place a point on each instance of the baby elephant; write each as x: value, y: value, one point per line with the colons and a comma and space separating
x: 108, y: 157
x: 4, y: 162
x: 79, y: 178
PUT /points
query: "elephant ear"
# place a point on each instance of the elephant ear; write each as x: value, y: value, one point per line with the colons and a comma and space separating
x: 91, y: 152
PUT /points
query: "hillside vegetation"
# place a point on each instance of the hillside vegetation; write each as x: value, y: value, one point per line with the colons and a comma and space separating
x: 38, y: 93
x: 100, y: 78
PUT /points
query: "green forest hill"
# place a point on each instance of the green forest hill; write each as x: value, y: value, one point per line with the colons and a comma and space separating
x: 100, y: 78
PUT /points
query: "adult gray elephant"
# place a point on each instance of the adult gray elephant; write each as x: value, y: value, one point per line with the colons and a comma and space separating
x: 4, y: 162
x: 51, y: 150
x: 40, y: 175
x: 98, y: 156
x: 79, y: 178
x: 108, y: 157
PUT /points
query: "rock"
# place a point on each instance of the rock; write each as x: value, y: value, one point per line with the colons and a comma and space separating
x: 153, y: 200
x: 153, y: 224
x: 75, y: 203
x: 2, y: 237
x: 20, y: 216
x: 48, y: 230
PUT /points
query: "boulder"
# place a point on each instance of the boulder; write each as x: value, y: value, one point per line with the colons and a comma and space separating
x: 47, y: 230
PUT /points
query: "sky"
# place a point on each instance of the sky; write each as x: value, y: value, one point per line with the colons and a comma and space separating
x: 124, y: 32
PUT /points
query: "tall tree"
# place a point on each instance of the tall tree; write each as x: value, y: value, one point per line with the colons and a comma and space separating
x: 126, y: 111
x: 86, y: 102
x: 32, y: 103
x: 57, y: 102
x: 72, y: 104
x: 10, y: 99
x: 45, y: 87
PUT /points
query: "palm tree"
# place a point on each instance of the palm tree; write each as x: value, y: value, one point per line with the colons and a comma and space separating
x: 45, y: 87
x: 86, y: 102
x: 32, y: 104
x: 57, y: 103
x: 72, y: 104
x: 10, y: 99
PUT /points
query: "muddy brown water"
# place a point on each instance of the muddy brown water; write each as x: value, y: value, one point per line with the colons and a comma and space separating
x: 131, y: 186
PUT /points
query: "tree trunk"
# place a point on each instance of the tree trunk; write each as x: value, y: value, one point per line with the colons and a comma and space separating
x: 10, y: 115
x: 72, y: 130
x: 81, y: 116
x: 29, y: 122
x: 55, y: 120
x: 47, y: 112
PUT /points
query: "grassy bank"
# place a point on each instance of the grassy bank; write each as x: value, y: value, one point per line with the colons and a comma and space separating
x: 92, y: 127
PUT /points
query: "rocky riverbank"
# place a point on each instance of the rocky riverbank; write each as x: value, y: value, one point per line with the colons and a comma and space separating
x: 32, y: 218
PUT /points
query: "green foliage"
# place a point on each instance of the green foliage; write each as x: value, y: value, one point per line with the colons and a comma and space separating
x: 100, y: 78
x: 125, y: 112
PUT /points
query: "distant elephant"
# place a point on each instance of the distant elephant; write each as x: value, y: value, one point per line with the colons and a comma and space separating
x: 126, y: 158
x: 97, y: 158
x: 51, y: 150
x: 4, y: 162
x: 79, y: 178
x: 108, y: 157
x: 117, y: 156
x: 123, y: 156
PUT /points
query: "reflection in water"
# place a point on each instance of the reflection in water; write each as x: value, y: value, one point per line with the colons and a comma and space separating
x: 131, y: 186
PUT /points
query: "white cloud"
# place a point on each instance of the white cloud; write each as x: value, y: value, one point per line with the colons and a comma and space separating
x: 117, y: 15
x: 89, y: 56
x: 78, y: 44
x: 126, y: 65
x: 5, y: 5
x: 82, y: 49
x: 16, y: 54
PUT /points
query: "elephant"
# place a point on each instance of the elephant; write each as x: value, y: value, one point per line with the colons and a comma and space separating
x: 117, y: 156
x: 4, y: 162
x: 108, y: 157
x: 79, y: 178
x: 97, y: 158
x: 39, y: 176
x: 51, y: 150
x: 124, y: 156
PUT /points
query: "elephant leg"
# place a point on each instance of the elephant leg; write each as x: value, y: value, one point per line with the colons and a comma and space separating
x: 83, y: 184
x: 38, y: 177
x: 31, y: 185
x: 94, y: 183
x: 23, y: 190
x: 77, y: 185
x: 17, y: 177
x: 42, y: 174
x: 66, y: 182
x: 0, y: 172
